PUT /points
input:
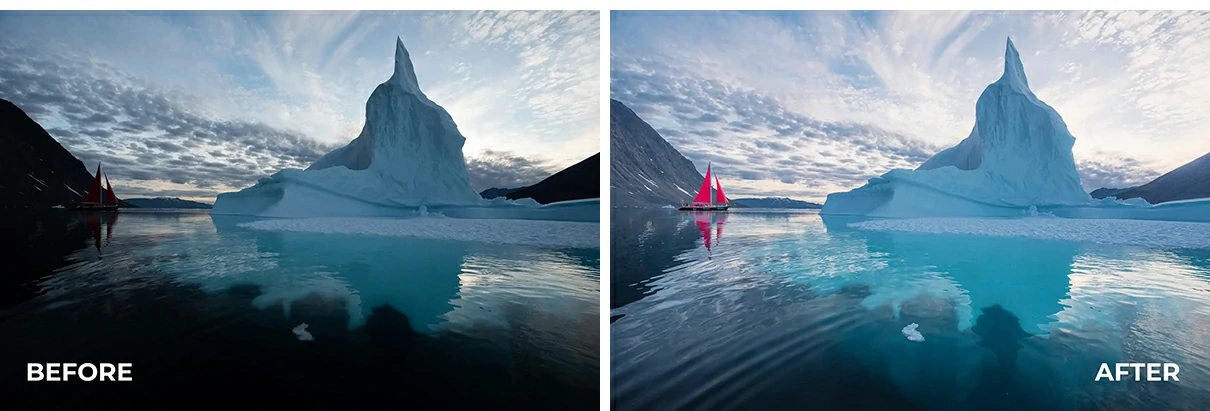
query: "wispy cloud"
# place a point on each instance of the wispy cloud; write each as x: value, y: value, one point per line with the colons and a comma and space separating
x: 200, y: 103
x: 803, y: 104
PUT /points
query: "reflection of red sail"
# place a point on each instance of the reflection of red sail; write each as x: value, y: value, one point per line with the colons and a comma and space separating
x: 703, y: 224
x: 93, y: 222
x: 109, y: 222
x: 722, y: 220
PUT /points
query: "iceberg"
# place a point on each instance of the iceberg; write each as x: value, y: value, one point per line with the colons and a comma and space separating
x: 1017, y: 159
x: 409, y: 154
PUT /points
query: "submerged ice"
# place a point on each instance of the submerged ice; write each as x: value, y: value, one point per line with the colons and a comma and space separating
x: 1142, y: 233
x: 439, y: 284
x: 409, y: 153
x: 1018, y: 155
x: 559, y: 234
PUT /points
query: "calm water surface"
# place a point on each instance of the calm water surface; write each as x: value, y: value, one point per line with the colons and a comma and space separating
x: 781, y: 309
x: 204, y: 310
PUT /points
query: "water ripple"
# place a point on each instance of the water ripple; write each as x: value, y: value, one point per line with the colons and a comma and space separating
x: 771, y: 309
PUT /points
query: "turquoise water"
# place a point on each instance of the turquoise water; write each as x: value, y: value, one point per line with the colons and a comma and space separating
x: 202, y: 306
x: 787, y: 309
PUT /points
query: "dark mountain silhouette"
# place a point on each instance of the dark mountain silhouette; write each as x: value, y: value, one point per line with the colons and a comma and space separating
x: 37, y: 171
x: 1107, y: 192
x: 580, y: 181
x: 497, y: 192
x: 644, y: 170
x: 1191, y: 180
x: 167, y: 202
x: 775, y: 202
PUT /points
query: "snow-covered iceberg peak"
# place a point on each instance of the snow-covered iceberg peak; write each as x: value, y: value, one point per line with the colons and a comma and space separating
x: 1026, y: 145
x: 409, y: 153
x: 1014, y: 71
x: 1017, y: 155
x: 405, y: 73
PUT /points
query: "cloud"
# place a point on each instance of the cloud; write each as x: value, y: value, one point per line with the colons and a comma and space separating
x: 818, y: 102
x: 156, y: 125
x: 1114, y: 173
x: 768, y: 146
x: 493, y: 169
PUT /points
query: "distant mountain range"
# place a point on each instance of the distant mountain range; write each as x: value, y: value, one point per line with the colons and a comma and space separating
x: 1107, y: 192
x: 38, y: 172
x: 1191, y: 180
x: 497, y: 192
x: 644, y: 170
x: 580, y: 181
x: 775, y: 202
x: 167, y: 202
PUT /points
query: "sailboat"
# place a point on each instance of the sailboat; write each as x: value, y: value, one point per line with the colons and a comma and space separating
x: 98, y: 199
x: 706, y: 200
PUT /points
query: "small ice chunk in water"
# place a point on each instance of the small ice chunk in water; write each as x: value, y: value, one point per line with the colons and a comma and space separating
x: 909, y: 332
x: 304, y: 335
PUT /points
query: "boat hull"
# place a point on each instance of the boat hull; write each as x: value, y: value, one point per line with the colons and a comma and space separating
x: 705, y: 208
x: 95, y: 207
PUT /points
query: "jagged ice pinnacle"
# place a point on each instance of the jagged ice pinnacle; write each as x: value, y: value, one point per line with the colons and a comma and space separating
x: 1016, y: 161
x: 1017, y: 155
x: 409, y: 154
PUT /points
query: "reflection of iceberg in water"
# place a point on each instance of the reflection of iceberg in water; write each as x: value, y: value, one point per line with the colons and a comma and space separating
x: 415, y: 276
x: 1026, y: 277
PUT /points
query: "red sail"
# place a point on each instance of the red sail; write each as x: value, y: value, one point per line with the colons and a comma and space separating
x: 722, y: 199
x: 110, y: 198
x: 94, y: 194
x: 703, y: 195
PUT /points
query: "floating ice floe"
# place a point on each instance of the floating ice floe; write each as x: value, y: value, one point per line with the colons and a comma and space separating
x: 911, y: 333
x: 302, y: 333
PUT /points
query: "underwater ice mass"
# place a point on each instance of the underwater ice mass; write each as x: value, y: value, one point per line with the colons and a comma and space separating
x: 1160, y: 234
x: 494, y: 231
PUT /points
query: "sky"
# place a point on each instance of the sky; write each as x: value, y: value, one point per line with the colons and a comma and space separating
x: 192, y: 104
x: 802, y: 104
